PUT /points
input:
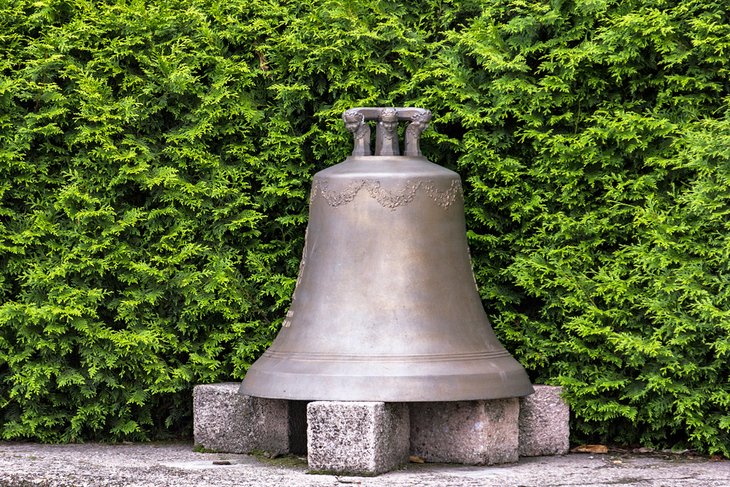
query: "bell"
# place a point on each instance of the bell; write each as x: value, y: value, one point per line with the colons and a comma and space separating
x: 386, y: 306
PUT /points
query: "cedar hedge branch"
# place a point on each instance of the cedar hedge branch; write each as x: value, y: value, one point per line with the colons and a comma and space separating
x: 154, y: 169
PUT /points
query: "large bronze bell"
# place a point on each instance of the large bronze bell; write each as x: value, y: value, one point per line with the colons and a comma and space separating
x: 386, y: 307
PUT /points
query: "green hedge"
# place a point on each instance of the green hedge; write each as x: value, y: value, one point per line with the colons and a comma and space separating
x: 155, y: 160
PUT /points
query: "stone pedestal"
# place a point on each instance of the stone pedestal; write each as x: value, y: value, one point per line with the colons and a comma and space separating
x: 468, y: 432
x: 357, y: 438
x: 369, y: 438
x: 227, y: 421
x: 544, y: 423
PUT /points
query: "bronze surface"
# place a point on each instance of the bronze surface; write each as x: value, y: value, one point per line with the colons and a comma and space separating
x: 386, y: 307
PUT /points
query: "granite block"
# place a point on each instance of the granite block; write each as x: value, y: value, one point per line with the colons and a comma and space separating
x: 468, y: 432
x: 356, y: 438
x: 544, y: 423
x: 226, y: 421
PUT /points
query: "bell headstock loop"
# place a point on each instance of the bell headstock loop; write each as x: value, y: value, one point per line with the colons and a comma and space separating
x: 386, y: 134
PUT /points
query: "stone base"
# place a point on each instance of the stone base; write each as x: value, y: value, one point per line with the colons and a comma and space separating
x: 227, y: 421
x: 544, y: 423
x: 357, y: 438
x: 469, y: 432
x: 368, y: 438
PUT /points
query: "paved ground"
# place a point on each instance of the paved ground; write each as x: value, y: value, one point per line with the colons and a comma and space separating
x: 175, y: 464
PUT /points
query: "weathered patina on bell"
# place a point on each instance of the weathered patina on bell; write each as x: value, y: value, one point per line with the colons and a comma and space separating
x: 385, y: 306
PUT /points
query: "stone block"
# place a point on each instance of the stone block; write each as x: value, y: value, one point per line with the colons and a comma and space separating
x: 544, y: 423
x: 356, y: 438
x: 226, y: 421
x: 469, y: 432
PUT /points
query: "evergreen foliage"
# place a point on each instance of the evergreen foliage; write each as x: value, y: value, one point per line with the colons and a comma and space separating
x: 155, y: 159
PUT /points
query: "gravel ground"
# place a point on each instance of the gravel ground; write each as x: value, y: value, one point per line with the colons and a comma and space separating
x: 176, y: 464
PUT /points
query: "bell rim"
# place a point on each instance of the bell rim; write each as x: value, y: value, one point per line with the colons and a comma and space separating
x: 274, y: 378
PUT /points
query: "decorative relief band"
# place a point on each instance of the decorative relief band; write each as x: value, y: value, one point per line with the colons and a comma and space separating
x: 434, y: 357
x: 391, y: 199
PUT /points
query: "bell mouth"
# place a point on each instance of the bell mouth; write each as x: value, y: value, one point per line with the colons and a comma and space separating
x: 435, y: 378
